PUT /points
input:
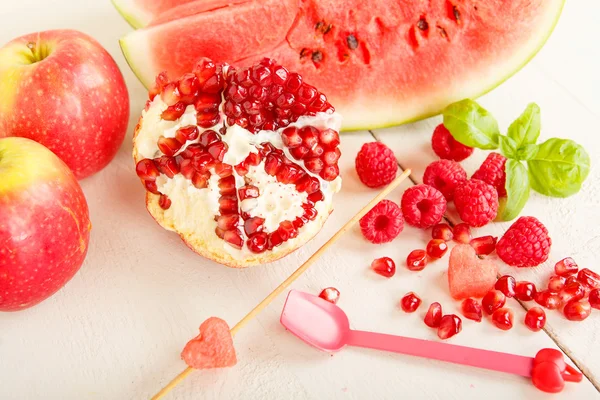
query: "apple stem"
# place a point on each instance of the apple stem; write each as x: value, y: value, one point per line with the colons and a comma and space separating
x: 38, y: 52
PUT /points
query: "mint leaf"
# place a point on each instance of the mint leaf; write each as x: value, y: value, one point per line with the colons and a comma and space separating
x: 527, y: 151
x: 517, y: 191
x: 559, y: 168
x: 472, y: 125
x: 526, y: 129
x: 508, y: 147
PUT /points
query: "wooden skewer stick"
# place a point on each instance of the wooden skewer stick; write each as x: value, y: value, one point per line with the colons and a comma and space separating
x: 285, y: 284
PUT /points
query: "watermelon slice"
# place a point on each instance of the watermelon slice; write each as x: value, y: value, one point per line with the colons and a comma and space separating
x: 139, y: 13
x: 383, y: 64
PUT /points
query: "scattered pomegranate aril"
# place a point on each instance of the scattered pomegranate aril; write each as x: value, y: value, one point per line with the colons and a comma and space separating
x: 146, y: 170
x: 556, y: 283
x: 330, y: 294
x: 589, y: 278
x: 164, y: 202
x: 506, y: 284
x: 168, y: 146
x: 258, y: 242
x: 484, y: 245
x: 572, y: 291
x: 565, y: 267
x: 442, y: 231
x: 233, y: 238
x: 525, y: 291
x: 450, y: 325
x: 436, y: 248
x: 594, y: 299
x: 493, y: 300
x: 416, y: 260
x: 471, y: 309
x: 503, y: 319
x: 535, y: 319
x: 577, y: 310
x: 174, y: 112
x: 548, y: 299
x: 462, y: 233
x: 384, y: 266
x: 434, y: 315
x: 410, y: 302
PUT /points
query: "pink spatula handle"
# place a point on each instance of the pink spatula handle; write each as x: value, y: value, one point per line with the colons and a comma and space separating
x: 503, y: 362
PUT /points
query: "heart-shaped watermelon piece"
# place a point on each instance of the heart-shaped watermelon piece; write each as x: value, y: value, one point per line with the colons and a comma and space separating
x: 212, y: 348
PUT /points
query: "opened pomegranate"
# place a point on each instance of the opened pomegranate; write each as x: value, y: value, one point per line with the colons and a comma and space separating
x: 241, y: 163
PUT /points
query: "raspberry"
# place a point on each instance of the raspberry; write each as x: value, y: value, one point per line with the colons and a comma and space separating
x: 423, y: 206
x: 525, y: 244
x: 383, y: 223
x: 376, y: 164
x: 446, y: 147
x: 492, y: 172
x: 444, y: 175
x: 476, y: 202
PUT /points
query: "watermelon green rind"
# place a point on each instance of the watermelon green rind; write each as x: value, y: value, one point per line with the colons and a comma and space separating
x: 134, y: 16
x: 135, y: 48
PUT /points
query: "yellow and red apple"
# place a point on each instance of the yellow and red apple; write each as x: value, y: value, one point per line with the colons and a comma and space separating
x: 62, y: 89
x: 44, y: 224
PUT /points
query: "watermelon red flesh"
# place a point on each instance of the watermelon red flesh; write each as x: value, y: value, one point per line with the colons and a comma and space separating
x: 381, y: 64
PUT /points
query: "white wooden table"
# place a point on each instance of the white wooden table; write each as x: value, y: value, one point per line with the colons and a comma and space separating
x: 116, y: 330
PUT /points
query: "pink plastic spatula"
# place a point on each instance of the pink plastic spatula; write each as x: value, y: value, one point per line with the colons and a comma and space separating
x: 325, y: 326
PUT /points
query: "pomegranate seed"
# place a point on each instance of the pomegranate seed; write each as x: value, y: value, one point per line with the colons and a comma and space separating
x: 233, y: 238
x: 168, y: 146
x: 565, y: 267
x: 314, y: 165
x: 450, y: 325
x: 308, y: 184
x: 436, y: 248
x: 556, y: 283
x: 287, y: 230
x: 253, y: 225
x: 547, y: 299
x: 416, y: 260
x: 315, y: 197
x: 187, y: 169
x: 493, y: 300
x: 258, y: 242
x: 170, y: 94
x: 330, y: 294
x: 595, y: 298
x: 164, y: 202
x: 167, y: 165
x: 273, y: 164
x: 317, y: 151
x: 329, y: 138
x: 151, y: 187
x: 577, y: 310
x: 228, y: 222
x: 207, y: 104
x: 209, y: 137
x: 462, y: 233
x: 241, y: 169
x: 434, y: 315
x: 572, y: 291
x: 227, y: 186
x: 228, y: 205
x: 223, y: 170
x: 484, y: 245
x: 188, y: 85
x: 253, y: 159
x: 535, y: 319
x: 203, y: 162
x: 289, y: 173
x: 299, y: 152
x: 589, y: 278
x: 248, y: 192
x: 442, y: 231
x: 146, y: 170
x: 186, y: 133
x: 571, y: 279
x: 331, y: 157
x: 291, y: 138
x: 274, y: 240
x: 219, y: 232
x: 204, y: 69
x: 384, y: 266
x: 208, y: 119
x: 410, y: 302
x: 200, y: 180
x: 174, y: 112
x: 471, y: 309
x: 217, y: 150
x: 309, y: 213
x: 503, y: 319
x: 525, y: 291
x: 330, y: 172
x: 506, y: 284
x: 161, y: 81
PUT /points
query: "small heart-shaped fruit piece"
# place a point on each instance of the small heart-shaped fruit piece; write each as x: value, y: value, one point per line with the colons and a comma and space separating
x: 212, y: 348
x: 468, y: 275
x: 547, y: 377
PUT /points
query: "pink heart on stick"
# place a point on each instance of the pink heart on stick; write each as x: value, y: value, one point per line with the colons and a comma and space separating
x: 550, y: 371
x: 212, y: 348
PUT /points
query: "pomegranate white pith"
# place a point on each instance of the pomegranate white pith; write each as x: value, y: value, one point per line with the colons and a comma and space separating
x: 240, y: 211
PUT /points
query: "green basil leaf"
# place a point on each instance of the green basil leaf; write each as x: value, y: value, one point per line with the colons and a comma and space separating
x: 517, y: 191
x: 508, y: 147
x: 559, y: 168
x: 526, y: 129
x: 472, y: 125
x: 527, y: 151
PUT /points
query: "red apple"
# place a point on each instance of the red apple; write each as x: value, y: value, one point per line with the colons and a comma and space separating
x: 63, y: 90
x: 44, y: 224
